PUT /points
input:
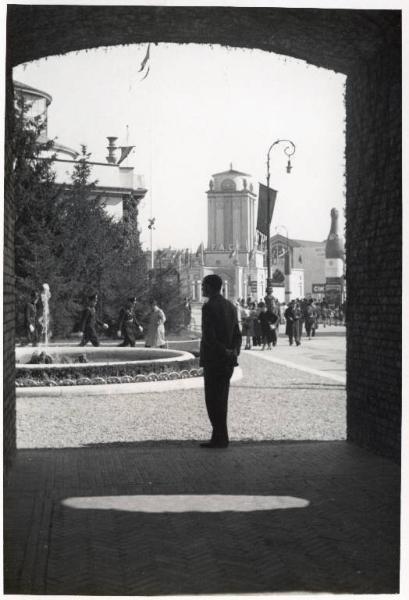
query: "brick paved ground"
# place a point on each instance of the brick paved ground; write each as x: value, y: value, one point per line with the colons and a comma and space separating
x: 76, y: 524
x: 345, y: 540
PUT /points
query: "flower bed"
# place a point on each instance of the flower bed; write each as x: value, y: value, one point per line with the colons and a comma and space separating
x: 66, y: 381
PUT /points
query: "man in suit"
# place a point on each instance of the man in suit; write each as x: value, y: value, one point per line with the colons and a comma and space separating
x: 219, y: 349
x: 89, y: 322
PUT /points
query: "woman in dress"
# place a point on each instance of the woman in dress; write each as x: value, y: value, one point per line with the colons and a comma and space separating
x: 155, y: 336
x: 251, y: 325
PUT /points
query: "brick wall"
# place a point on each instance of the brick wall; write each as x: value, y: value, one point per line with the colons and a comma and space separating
x: 373, y: 247
x: 9, y: 399
x: 362, y: 44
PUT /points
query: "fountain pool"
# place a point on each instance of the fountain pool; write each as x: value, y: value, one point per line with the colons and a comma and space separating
x: 79, y: 365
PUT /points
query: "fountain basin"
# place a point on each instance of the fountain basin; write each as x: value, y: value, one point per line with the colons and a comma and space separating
x: 104, y: 365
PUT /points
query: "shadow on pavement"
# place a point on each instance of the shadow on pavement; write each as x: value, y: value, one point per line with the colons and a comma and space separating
x: 75, y: 522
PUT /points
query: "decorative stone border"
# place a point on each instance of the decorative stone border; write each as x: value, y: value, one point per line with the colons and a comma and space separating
x: 139, y: 378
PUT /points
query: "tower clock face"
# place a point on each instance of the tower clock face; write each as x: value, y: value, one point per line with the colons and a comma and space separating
x: 228, y: 185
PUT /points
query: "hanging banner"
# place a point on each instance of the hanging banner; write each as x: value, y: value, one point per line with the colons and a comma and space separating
x: 263, y: 215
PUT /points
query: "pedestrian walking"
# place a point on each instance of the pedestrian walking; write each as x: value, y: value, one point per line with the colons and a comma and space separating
x: 128, y: 326
x: 309, y: 318
x: 251, y: 328
x: 293, y: 323
x: 245, y: 324
x: 268, y: 321
x: 257, y: 326
x: 31, y: 320
x: 89, y: 322
x: 155, y: 336
x: 219, y: 348
x: 187, y: 313
x: 324, y: 313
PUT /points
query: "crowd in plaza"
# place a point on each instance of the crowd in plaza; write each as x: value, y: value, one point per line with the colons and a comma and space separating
x: 260, y: 321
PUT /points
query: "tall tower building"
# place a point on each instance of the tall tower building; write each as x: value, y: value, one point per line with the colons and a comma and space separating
x: 231, y: 211
x: 334, y: 263
x: 231, y: 249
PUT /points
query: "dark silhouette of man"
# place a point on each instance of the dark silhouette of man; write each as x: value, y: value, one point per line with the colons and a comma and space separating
x: 128, y: 325
x: 89, y: 322
x: 219, y: 349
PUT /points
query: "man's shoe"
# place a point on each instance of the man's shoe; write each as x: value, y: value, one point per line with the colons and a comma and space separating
x: 214, y: 444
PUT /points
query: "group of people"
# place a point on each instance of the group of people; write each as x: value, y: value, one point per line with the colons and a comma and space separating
x: 260, y: 321
x: 128, y: 327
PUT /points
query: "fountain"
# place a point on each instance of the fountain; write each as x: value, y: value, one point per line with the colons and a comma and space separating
x: 45, y: 299
x: 79, y: 365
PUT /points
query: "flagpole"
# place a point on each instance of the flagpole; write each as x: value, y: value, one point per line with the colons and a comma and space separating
x: 289, y: 151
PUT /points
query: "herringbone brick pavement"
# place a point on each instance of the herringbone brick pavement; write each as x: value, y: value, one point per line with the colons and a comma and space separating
x: 345, y: 540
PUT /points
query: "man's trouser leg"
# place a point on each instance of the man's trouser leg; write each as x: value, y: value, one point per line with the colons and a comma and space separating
x: 217, y: 384
x: 90, y: 336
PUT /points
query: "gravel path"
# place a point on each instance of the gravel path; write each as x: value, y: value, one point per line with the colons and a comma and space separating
x: 271, y: 402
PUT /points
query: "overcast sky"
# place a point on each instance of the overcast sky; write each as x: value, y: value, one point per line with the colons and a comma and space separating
x: 199, y: 109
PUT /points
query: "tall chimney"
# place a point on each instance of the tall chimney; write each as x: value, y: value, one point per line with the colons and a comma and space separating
x: 111, y: 150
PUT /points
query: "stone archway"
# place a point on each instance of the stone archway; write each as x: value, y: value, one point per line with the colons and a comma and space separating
x: 366, y: 46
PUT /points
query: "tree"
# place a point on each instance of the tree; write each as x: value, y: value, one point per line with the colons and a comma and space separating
x: 65, y: 238
x: 37, y: 206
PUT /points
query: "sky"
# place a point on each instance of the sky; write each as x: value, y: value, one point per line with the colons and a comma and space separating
x: 199, y: 109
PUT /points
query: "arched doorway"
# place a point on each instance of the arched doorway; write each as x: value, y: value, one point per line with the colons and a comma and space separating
x: 366, y: 45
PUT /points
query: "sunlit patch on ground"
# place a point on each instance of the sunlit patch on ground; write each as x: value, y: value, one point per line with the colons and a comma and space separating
x: 159, y: 503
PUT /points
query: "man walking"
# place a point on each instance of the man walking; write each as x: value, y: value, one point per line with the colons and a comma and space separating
x: 89, y: 322
x: 128, y: 325
x: 219, y: 349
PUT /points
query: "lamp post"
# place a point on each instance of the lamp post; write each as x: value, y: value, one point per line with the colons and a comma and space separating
x: 289, y: 150
x: 151, y: 227
x: 287, y: 266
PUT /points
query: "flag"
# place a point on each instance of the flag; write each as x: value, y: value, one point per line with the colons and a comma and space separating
x: 145, y: 63
x: 145, y: 60
x: 263, y: 218
x: 125, y: 151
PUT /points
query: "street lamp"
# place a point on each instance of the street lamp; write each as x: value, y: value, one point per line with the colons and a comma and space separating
x: 151, y: 227
x: 289, y: 150
x: 287, y: 266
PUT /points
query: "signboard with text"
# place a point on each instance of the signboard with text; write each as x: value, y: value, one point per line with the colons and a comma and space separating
x: 318, y: 288
x: 333, y: 294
